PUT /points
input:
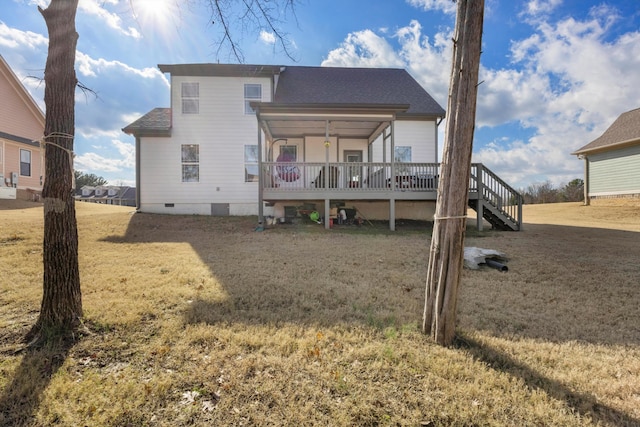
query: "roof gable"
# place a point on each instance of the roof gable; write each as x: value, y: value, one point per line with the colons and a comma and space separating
x: 624, y: 130
x: 367, y: 86
x: 20, y: 115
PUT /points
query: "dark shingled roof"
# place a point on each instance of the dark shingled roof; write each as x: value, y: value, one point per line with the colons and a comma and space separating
x: 20, y: 139
x: 329, y: 85
x: 156, y: 122
x: 625, y: 130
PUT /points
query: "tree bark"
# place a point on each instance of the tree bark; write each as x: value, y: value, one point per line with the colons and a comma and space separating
x: 61, y: 308
x: 446, y: 254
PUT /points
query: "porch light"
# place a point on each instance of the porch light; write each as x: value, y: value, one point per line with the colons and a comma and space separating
x: 327, y: 143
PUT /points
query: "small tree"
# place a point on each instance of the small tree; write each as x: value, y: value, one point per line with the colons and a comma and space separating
x: 574, y: 191
x: 90, y: 179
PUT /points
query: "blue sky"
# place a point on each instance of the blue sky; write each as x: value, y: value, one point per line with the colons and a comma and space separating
x: 556, y: 73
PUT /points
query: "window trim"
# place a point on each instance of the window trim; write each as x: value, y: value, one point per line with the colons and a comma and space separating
x: 249, y: 99
x: 250, y: 163
x: 187, y: 163
x: 29, y: 164
x: 406, y: 147
x: 190, y: 99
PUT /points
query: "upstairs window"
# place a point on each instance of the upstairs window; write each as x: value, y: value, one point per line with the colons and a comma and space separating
x: 402, y: 154
x: 252, y: 93
x: 190, y: 98
x: 25, y: 162
x: 191, y: 163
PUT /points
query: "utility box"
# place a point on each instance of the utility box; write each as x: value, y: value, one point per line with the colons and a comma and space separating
x: 14, y: 179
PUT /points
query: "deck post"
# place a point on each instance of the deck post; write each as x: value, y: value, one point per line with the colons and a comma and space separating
x: 392, y: 214
x: 327, y: 213
x: 480, y: 189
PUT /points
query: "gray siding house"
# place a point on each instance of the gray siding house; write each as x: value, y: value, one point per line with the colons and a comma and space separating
x: 612, y: 161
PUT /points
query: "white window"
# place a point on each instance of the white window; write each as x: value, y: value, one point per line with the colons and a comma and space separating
x: 25, y: 162
x: 190, y: 98
x: 402, y: 154
x: 191, y: 163
x: 250, y: 163
x: 252, y: 93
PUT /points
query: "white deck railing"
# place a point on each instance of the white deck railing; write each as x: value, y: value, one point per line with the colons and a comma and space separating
x: 353, y: 176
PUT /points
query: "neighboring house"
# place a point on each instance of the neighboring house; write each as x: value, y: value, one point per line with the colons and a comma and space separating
x: 21, y: 126
x: 612, y: 161
x: 272, y: 140
x: 108, y: 194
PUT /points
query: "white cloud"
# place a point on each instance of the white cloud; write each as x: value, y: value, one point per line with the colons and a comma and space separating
x: 13, y: 38
x: 267, y: 37
x: 89, y: 66
x: 537, y: 8
x: 364, y: 49
x: 446, y: 6
x: 112, y: 20
x: 98, y: 163
x: 567, y: 82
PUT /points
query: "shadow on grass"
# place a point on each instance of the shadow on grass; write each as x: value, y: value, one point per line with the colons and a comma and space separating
x: 584, y: 404
x: 20, y: 398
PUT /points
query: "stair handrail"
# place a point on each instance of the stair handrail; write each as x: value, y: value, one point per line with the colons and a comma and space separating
x: 491, y: 187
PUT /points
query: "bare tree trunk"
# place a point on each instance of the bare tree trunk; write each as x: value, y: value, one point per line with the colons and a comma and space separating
x: 61, y: 307
x: 447, y: 243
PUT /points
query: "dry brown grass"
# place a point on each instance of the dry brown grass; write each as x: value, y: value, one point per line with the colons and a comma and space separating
x: 203, y: 321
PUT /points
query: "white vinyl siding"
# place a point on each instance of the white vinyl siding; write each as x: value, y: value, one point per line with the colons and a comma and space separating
x: 221, y: 130
x: 419, y: 135
x: 615, y: 172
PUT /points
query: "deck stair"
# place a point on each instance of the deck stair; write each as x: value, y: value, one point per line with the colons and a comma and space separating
x: 494, y: 200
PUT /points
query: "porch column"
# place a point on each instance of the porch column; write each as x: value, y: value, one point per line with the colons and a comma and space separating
x: 326, y: 175
x: 260, y: 182
x: 392, y: 214
x: 480, y: 200
x: 480, y: 214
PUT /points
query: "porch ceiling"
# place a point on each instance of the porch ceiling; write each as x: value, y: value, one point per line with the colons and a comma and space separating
x: 297, y: 121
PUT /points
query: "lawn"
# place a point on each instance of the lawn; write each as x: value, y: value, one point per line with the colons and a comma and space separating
x: 204, y: 321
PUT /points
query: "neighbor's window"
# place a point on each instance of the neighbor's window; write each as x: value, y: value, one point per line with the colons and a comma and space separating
x: 191, y: 163
x: 252, y: 92
x: 190, y: 98
x: 250, y: 163
x: 25, y: 162
x: 402, y: 154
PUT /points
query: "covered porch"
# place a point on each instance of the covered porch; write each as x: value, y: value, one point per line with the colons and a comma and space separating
x: 326, y: 152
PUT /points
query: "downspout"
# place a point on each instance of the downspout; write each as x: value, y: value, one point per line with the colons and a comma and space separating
x: 587, y: 200
x: 138, y: 206
x: 260, y: 181
x: 436, y: 137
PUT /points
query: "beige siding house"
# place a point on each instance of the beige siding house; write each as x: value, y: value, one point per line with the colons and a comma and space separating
x: 21, y: 123
x: 612, y: 161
